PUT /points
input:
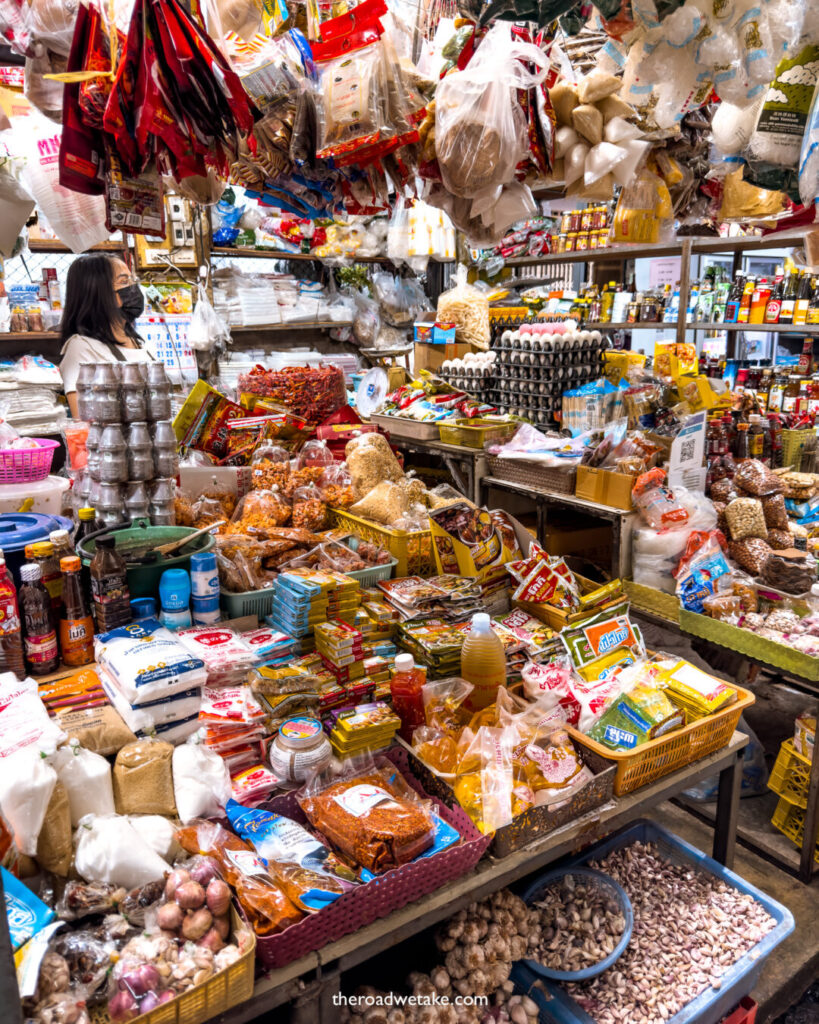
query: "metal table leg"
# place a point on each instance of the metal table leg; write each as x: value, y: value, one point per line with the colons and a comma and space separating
x: 725, y: 826
x: 811, y: 820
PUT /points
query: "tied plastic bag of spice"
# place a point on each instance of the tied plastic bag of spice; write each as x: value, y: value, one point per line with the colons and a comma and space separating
x: 480, y: 129
x: 309, y: 509
x: 370, y: 815
x: 268, y: 907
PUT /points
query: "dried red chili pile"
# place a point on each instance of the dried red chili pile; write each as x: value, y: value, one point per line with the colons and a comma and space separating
x: 312, y: 393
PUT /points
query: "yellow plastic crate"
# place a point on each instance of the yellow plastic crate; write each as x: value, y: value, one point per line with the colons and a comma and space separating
x: 653, y: 601
x: 474, y: 433
x: 652, y: 760
x: 790, y: 820
x: 213, y: 997
x: 793, y: 441
x: 412, y: 550
x: 790, y: 776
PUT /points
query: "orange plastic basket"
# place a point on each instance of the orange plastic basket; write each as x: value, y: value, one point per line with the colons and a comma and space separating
x: 656, y: 758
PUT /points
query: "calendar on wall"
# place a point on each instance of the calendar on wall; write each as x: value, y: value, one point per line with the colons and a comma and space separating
x: 166, y: 338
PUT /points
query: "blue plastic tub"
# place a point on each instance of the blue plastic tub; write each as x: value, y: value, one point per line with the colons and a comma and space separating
x: 619, y: 893
x: 711, y: 1005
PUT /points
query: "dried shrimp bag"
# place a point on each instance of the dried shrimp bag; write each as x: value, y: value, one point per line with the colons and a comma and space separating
x: 467, y: 308
x: 480, y: 129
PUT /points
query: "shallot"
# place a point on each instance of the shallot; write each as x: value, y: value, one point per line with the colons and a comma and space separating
x: 197, y: 923
x: 190, y: 896
x: 176, y: 878
x: 218, y: 897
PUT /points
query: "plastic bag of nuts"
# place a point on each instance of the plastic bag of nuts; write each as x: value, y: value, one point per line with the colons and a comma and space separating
x: 746, y: 519
x: 751, y: 553
x: 776, y: 515
x: 722, y: 490
x: 754, y: 477
x: 309, y: 510
x: 780, y: 539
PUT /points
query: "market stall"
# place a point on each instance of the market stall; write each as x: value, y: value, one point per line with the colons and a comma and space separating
x: 373, y: 382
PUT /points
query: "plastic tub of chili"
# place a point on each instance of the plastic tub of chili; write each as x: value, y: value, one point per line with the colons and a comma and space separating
x: 385, y: 893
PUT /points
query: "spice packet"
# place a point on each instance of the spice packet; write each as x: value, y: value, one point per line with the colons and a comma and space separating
x: 601, y: 635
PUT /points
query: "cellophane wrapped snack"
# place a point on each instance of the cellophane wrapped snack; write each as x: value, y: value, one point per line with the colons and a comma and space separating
x: 755, y: 477
x: 369, y: 461
x: 260, y: 511
x: 745, y: 518
x: 267, y: 906
x: 370, y: 815
x: 309, y: 509
x: 776, y: 515
x: 656, y: 502
x: 750, y: 554
x: 336, y: 486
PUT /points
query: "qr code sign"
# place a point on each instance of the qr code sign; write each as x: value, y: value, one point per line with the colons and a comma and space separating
x: 687, y: 449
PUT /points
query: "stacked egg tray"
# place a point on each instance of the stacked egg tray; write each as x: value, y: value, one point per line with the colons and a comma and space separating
x: 536, y: 362
x: 474, y: 374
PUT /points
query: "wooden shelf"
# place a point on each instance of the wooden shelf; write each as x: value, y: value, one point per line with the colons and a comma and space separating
x: 29, y: 336
x: 631, y: 327
x: 46, y: 245
x: 274, y: 254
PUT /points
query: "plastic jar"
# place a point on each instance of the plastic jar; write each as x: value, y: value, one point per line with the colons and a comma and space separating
x: 158, y: 395
x: 132, y: 399
x: 105, y: 394
x: 165, y: 457
x: 300, y: 748
x: 111, y: 504
x: 113, y: 456
x: 140, y: 453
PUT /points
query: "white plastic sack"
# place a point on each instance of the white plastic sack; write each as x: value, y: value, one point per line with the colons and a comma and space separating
x: 158, y: 832
x: 24, y: 721
x: 132, y: 653
x: 201, y: 782
x: 109, y: 849
x: 207, y: 329
x: 26, y: 785
x: 176, y: 707
x: 77, y: 220
x: 87, y: 779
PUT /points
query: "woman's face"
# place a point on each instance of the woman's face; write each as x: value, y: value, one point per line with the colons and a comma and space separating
x: 122, y: 278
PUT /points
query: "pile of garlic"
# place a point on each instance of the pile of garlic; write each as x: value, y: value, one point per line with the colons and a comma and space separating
x: 596, y: 146
x: 479, y: 944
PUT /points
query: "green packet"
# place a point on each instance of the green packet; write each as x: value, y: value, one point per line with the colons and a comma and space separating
x: 627, y: 724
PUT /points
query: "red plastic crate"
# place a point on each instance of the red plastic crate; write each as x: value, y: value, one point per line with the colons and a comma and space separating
x: 745, y: 1013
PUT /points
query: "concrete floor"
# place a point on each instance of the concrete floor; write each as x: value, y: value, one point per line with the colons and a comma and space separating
x: 794, y: 966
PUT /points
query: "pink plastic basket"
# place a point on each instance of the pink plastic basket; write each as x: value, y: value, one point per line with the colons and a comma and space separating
x: 25, y: 465
x: 384, y: 894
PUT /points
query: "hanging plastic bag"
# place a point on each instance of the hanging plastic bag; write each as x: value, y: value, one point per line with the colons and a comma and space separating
x: 480, y: 130
x: 207, y: 329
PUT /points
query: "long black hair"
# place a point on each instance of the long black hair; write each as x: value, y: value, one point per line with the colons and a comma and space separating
x: 91, y: 305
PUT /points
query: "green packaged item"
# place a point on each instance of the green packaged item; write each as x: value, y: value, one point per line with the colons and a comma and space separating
x: 642, y: 714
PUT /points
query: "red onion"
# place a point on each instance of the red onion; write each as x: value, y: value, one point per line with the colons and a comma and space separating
x: 123, y: 1007
x: 139, y: 980
x: 176, y: 878
x: 204, y: 870
x: 218, y: 897
x: 149, y: 1002
x: 190, y: 895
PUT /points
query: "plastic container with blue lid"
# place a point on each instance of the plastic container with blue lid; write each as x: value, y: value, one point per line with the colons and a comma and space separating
x: 17, y: 529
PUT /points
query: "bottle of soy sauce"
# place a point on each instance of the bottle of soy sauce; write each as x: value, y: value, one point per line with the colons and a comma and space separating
x: 39, y: 633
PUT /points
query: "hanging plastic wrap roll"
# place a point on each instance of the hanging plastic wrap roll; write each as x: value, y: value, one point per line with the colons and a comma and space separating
x: 480, y: 135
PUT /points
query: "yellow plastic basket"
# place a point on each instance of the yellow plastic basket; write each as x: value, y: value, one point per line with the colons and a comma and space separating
x: 656, y: 758
x: 202, y: 1003
x: 474, y: 433
x: 655, y: 602
x: 790, y: 820
x: 412, y: 550
x: 793, y: 441
x: 790, y: 776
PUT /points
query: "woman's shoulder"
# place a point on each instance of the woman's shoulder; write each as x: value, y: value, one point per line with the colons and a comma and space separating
x: 81, y: 343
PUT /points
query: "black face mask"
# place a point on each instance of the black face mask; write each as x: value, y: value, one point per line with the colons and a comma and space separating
x: 133, y: 301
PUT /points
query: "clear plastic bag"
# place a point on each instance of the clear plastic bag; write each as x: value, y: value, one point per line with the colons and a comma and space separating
x: 207, y: 329
x: 260, y: 511
x: 336, y: 486
x: 309, y: 509
x: 656, y: 502
x: 751, y: 554
x: 776, y: 515
x: 754, y: 477
x: 467, y: 308
x: 745, y: 518
x: 480, y: 129
x: 315, y: 453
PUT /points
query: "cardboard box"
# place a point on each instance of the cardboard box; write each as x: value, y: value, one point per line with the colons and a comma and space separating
x: 429, y: 331
x: 605, y: 487
x: 194, y: 480
x: 431, y: 357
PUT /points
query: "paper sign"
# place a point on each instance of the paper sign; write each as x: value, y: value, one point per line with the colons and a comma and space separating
x: 685, y: 466
x: 665, y: 271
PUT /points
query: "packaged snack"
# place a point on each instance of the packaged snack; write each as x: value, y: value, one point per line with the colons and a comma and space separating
x: 746, y: 518
x: 253, y: 785
x: 370, y: 460
x: 308, y: 871
x: 554, y: 770
x: 260, y: 512
x: 309, y: 509
x: 722, y: 490
x: 780, y: 540
x: 385, y: 503
x: 700, y: 693
x: 755, y: 478
x: 727, y: 607
x: 743, y: 587
x: 751, y: 554
x: 336, y: 486
x: 656, y: 502
x: 703, y: 564
x: 776, y: 515
x: 26, y: 913
x: 601, y: 635
x: 641, y: 714
x: 370, y: 815
x: 268, y: 908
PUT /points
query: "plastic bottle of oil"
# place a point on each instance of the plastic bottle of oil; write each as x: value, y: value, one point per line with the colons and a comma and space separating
x: 483, y: 662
